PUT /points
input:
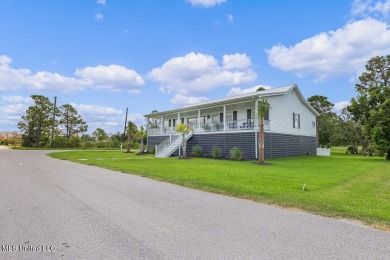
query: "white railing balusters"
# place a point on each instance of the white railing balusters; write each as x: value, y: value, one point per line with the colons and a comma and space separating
x: 169, y: 145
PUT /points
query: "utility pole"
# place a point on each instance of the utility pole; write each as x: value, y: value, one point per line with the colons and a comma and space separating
x: 124, y: 130
x: 54, y: 119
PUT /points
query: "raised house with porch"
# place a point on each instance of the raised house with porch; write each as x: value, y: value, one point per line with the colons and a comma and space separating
x: 290, y: 125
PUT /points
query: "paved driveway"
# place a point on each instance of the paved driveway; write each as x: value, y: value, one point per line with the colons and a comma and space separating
x: 63, y: 209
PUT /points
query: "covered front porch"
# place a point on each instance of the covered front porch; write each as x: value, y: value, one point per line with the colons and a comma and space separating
x: 223, y: 118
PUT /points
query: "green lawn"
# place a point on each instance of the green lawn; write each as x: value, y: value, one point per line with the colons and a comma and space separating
x: 346, y: 186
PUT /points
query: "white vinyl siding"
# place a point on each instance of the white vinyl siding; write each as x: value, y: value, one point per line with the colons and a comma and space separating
x: 281, y: 115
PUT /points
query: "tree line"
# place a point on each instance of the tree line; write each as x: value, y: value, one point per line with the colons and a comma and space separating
x: 366, y: 121
x: 47, y: 126
x: 43, y: 121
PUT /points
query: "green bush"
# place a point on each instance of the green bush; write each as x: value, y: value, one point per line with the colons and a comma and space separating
x: 115, y: 143
x: 45, y: 142
x: 89, y: 145
x: 216, y: 152
x: 368, y: 151
x: 196, y: 151
x: 4, y: 142
x: 103, y: 144
x: 152, y: 150
x: 74, y: 142
x: 59, y: 142
x: 352, y: 149
x: 236, y: 154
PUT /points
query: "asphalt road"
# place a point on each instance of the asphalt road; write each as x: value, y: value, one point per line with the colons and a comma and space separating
x: 72, y: 211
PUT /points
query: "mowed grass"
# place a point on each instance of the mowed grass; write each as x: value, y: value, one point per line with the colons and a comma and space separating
x: 343, y: 186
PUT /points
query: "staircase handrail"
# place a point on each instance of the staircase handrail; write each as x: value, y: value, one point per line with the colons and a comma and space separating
x: 166, y: 142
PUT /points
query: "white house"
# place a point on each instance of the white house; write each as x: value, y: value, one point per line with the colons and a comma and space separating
x: 290, y: 125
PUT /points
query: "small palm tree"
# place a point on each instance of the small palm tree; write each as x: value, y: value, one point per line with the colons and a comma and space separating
x: 131, y: 132
x: 184, y: 130
x: 263, y: 107
x: 141, y: 136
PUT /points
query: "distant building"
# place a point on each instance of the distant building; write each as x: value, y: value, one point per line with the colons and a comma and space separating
x: 9, y: 135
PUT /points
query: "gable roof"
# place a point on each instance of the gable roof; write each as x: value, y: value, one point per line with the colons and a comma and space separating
x: 249, y: 96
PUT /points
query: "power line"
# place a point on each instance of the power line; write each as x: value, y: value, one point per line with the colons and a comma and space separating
x: 12, y: 108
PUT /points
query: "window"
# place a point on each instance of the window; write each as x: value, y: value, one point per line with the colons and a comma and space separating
x: 249, y: 114
x: 296, y: 121
x: 234, y: 115
x: 182, y: 120
x: 220, y: 117
x: 313, y: 124
x: 169, y: 122
x: 266, y: 116
x: 174, y: 122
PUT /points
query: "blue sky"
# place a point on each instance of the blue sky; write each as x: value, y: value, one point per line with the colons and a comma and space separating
x: 103, y: 56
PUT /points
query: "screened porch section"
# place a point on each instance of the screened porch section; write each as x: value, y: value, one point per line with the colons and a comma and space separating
x: 233, y: 117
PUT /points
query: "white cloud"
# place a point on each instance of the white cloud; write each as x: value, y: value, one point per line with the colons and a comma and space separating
x: 13, y: 109
x: 182, y: 100
x: 236, y: 61
x: 17, y: 99
x: 96, y: 110
x: 230, y: 18
x: 239, y: 91
x: 96, y: 116
x: 111, y: 123
x: 330, y: 54
x: 114, y: 123
x: 338, y: 106
x: 11, y: 79
x: 206, y: 3
x: 200, y: 73
x: 11, y: 114
x: 101, y: 2
x: 366, y: 8
x: 112, y: 77
x: 5, y: 60
x: 99, y: 16
x: 137, y: 119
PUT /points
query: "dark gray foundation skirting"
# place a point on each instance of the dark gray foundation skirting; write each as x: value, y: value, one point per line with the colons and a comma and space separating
x: 276, y: 145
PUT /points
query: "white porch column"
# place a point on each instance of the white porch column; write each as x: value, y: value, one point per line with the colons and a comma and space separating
x: 199, y: 119
x: 178, y: 119
x: 224, y: 118
x: 256, y: 128
x: 162, y: 124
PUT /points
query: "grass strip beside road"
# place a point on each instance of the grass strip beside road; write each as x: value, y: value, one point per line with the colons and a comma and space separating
x: 341, y: 186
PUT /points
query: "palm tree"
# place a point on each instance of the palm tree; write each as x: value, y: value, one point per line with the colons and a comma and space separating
x: 131, y: 132
x: 141, y: 135
x: 262, y: 109
x: 184, y: 130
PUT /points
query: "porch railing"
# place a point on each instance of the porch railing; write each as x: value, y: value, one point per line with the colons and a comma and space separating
x: 208, y: 127
x: 235, y: 125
